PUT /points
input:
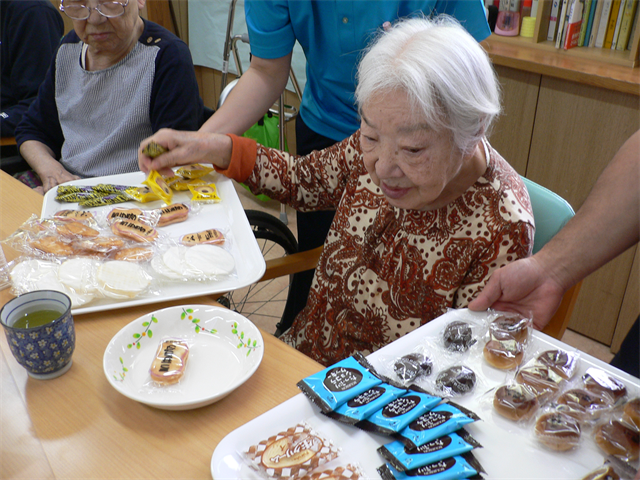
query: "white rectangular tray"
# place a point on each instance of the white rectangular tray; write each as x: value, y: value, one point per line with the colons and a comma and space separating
x: 509, y: 451
x: 228, y: 215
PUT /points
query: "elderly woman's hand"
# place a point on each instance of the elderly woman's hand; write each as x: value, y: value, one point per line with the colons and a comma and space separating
x: 185, y: 148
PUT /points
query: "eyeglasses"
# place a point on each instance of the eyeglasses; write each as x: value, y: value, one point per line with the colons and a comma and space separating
x: 82, y: 12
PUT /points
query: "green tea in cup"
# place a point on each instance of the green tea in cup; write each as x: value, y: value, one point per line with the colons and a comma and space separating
x: 37, y: 318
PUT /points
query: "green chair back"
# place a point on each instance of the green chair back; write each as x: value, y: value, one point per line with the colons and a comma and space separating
x: 550, y: 212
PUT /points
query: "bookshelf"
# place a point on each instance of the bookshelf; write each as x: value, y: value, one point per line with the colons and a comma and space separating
x: 625, y: 58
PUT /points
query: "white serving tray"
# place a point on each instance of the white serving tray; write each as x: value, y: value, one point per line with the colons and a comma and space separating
x: 227, y: 215
x: 509, y: 451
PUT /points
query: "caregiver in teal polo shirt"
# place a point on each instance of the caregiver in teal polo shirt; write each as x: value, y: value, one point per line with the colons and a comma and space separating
x: 333, y: 35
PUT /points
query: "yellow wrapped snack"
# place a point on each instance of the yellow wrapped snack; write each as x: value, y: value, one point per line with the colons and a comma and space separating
x: 180, y: 184
x: 159, y: 186
x: 153, y: 150
x: 207, y: 193
x: 141, y: 194
x: 194, y: 171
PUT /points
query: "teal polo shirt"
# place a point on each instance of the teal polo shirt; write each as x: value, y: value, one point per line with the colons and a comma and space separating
x: 333, y: 34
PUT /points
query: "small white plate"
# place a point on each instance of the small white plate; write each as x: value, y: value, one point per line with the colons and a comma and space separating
x: 225, y: 349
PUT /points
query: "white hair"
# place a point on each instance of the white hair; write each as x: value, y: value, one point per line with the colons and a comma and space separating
x: 445, y: 72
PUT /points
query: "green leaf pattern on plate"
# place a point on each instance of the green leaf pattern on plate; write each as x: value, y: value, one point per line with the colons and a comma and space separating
x: 187, y: 314
x: 249, y: 344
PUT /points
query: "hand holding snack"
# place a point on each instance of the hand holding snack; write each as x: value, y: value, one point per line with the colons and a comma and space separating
x: 185, y: 148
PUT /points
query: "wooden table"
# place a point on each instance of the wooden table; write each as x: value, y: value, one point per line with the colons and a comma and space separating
x: 77, y: 426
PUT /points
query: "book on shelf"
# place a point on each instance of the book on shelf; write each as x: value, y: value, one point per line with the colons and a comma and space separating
x: 592, y: 11
x: 553, y: 20
x: 574, y: 23
x: 596, y: 23
x: 633, y: 33
x: 628, y: 20
x: 562, y: 22
x: 604, y: 23
x: 585, y: 21
x: 611, y: 24
x: 616, y: 33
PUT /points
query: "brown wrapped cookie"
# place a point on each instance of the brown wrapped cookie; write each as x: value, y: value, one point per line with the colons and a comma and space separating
x: 293, y: 453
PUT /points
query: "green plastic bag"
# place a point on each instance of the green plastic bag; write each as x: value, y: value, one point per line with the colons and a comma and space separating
x: 267, y: 133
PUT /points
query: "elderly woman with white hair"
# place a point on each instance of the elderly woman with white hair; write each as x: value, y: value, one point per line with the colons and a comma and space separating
x: 425, y: 208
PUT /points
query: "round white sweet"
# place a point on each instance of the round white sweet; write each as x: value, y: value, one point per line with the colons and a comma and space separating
x: 79, y: 274
x: 210, y: 259
x: 158, y: 265
x: 34, y: 274
x: 174, y: 259
x: 120, y: 279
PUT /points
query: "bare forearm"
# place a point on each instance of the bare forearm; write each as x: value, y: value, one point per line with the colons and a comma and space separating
x: 256, y: 91
x: 606, y: 225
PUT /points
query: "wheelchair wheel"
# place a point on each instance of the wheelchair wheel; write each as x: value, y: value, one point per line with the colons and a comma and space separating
x: 264, y: 303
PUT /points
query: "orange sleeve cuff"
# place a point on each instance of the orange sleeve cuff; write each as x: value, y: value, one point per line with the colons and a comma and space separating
x: 243, y: 158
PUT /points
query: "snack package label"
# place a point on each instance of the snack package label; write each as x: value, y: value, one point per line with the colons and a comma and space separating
x: 339, y: 383
x: 367, y: 403
x: 453, y: 468
x: 399, y: 413
x: 442, y: 420
x: 447, y: 446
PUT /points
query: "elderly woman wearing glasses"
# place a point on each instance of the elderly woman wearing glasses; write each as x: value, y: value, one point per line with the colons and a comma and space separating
x: 425, y: 208
x: 115, y: 80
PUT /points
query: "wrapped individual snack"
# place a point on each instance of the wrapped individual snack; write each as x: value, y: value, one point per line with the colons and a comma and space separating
x: 510, y: 326
x: 181, y: 184
x: 616, y: 437
x: 141, y: 194
x: 293, y: 453
x: 544, y: 382
x: 631, y: 412
x: 207, y: 193
x: 399, y: 413
x: 612, y: 469
x: 441, y: 420
x: 196, y: 170
x: 503, y: 352
x: 153, y: 150
x: 583, y: 405
x: 99, y: 246
x: 455, y: 381
x: 134, y: 230
x: 74, y: 229
x: 447, y: 446
x: 170, y: 361
x: 557, y: 431
x: 599, y: 381
x: 458, y: 336
x: 516, y: 401
x: 209, y: 236
x: 453, y: 468
x: 83, y: 216
x: 339, y: 383
x: 366, y: 404
x: 562, y: 362
x: 157, y: 184
x: 102, y: 200
x: 411, y: 367
x: 120, y: 279
x: 174, y: 213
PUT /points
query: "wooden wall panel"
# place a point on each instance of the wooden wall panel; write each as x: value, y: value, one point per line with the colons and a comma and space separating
x: 578, y: 129
x: 512, y: 132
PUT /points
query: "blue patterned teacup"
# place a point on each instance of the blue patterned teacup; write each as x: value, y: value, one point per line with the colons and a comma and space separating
x: 44, y: 351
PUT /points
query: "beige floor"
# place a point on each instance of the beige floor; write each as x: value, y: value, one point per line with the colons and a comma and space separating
x: 572, y: 338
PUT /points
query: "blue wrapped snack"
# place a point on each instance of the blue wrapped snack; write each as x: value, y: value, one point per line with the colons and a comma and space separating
x: 441, y: 420
x: 341, y: 382
x: 366, y: 404
x: 396, y: 415
x: 453, y: 468
x: 403, y: 458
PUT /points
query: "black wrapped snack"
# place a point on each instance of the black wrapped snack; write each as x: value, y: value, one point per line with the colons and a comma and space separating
x: 458, y: 337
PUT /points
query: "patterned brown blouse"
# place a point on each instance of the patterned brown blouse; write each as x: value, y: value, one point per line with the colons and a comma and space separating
x: 385, y: 271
